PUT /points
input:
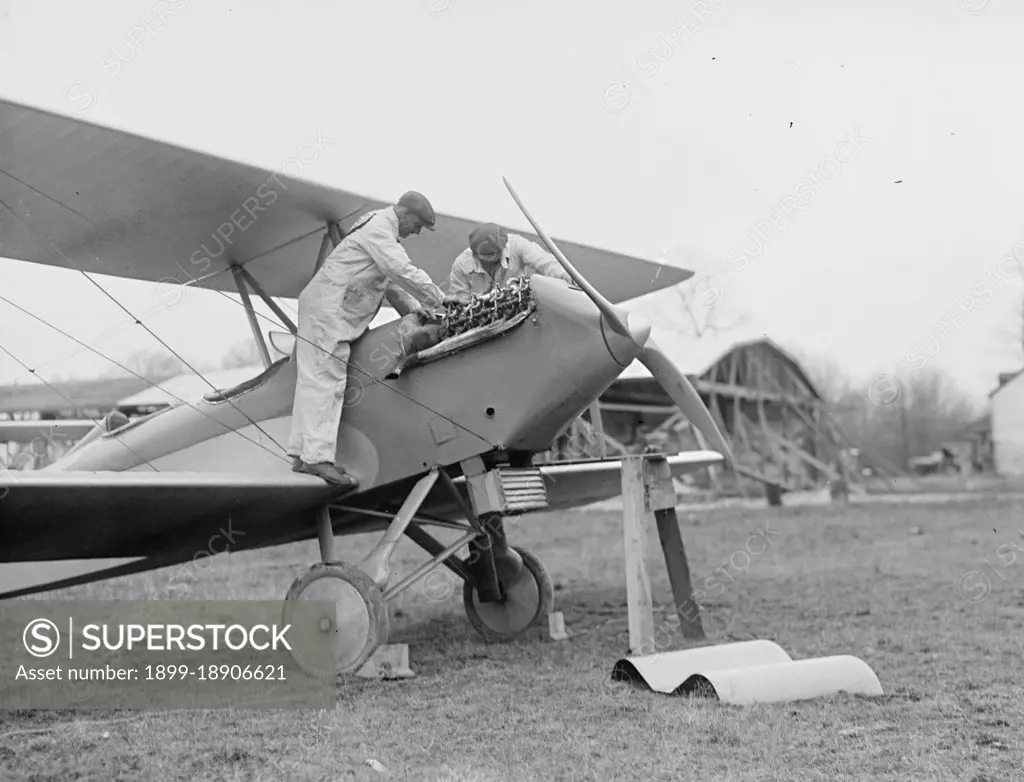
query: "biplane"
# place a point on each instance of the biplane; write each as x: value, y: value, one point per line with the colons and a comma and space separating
x: 443, y: 438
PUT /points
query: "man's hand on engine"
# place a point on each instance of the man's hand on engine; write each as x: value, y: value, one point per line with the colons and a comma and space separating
x: 425, y: 316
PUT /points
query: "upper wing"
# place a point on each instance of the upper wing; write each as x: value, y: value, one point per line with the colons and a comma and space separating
x: 107, y: 201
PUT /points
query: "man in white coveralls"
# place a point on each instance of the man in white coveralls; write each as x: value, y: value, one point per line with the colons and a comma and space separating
x: 336, y: 307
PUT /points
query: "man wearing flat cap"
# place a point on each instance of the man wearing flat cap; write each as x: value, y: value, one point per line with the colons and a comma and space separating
x: 494, y: 257
x: 336, y: 307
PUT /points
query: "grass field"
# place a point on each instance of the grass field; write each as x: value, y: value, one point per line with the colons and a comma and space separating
x: 930, y: 595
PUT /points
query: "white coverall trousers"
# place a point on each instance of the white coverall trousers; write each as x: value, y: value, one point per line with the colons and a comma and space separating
x: 323, y: 349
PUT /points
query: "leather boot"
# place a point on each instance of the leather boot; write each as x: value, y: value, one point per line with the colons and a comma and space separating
x: 328, y: 472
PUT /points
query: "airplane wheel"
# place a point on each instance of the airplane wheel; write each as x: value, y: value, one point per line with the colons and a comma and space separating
x: 360, y: 617
x: 527, y: 601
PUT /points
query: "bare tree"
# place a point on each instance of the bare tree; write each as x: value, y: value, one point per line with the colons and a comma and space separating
x: 154, y: 365
x: 705, y: 306
x: 828, y: 377
x: 701, y: 299
x: 915, y: 421
x: 937, y: 411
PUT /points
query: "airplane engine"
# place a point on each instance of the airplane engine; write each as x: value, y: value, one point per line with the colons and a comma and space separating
x: 500, y: 304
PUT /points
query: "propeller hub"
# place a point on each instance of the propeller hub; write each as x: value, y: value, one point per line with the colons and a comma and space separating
x: 639, y: 327
x: 624, y: 349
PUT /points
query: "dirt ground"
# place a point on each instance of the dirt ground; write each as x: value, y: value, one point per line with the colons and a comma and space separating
x: 929, y: 594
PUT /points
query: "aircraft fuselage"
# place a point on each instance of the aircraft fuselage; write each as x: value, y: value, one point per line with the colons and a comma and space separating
x: 516, y: 393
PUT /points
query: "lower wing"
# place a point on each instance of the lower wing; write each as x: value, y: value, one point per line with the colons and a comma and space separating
x: 61, y: 529
x: 58, y: 529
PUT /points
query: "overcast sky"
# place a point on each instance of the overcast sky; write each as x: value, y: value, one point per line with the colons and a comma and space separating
x: 848, y: 171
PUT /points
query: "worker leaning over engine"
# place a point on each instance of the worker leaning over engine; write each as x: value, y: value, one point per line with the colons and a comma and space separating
x: 494, y: 257
x: 336, y: 307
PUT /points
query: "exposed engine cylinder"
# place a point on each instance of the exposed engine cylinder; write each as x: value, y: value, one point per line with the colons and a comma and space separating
x: 497, y: 305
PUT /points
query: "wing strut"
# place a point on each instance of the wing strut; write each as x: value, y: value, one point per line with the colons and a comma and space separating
x: 331, y: 240
x: 325, y: 250
x: 250, y: 313
x: 252, y: 282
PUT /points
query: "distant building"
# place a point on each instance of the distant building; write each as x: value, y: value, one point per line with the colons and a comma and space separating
x: 1007, y: 415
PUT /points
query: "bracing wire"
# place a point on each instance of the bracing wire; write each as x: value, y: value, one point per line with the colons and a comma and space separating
x: 116, y: 363
x: 140, y: 323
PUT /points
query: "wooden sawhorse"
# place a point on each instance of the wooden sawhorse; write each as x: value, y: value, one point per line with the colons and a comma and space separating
x: 648, y: 494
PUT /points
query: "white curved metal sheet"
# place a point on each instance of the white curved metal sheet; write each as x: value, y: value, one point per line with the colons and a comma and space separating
x: 796, y: 680
x: 750, y: 672
x: 665, y: 671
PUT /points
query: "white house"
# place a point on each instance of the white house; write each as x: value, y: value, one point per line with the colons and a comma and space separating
x: 1007, y: 405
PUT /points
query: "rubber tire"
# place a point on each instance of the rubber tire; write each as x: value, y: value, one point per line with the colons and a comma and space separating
x: 546, y: 599
x: 379, y: 622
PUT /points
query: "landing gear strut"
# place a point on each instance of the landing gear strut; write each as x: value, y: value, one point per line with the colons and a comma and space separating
x: 506, y: 590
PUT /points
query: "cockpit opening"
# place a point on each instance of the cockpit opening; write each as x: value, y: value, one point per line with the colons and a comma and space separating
x: 248, y: 385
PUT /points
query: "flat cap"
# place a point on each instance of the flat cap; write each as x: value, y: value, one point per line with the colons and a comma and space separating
x: 418, y: 204
x: 487, y: 240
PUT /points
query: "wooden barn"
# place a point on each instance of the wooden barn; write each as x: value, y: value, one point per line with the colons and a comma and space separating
x: 775, y: 419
